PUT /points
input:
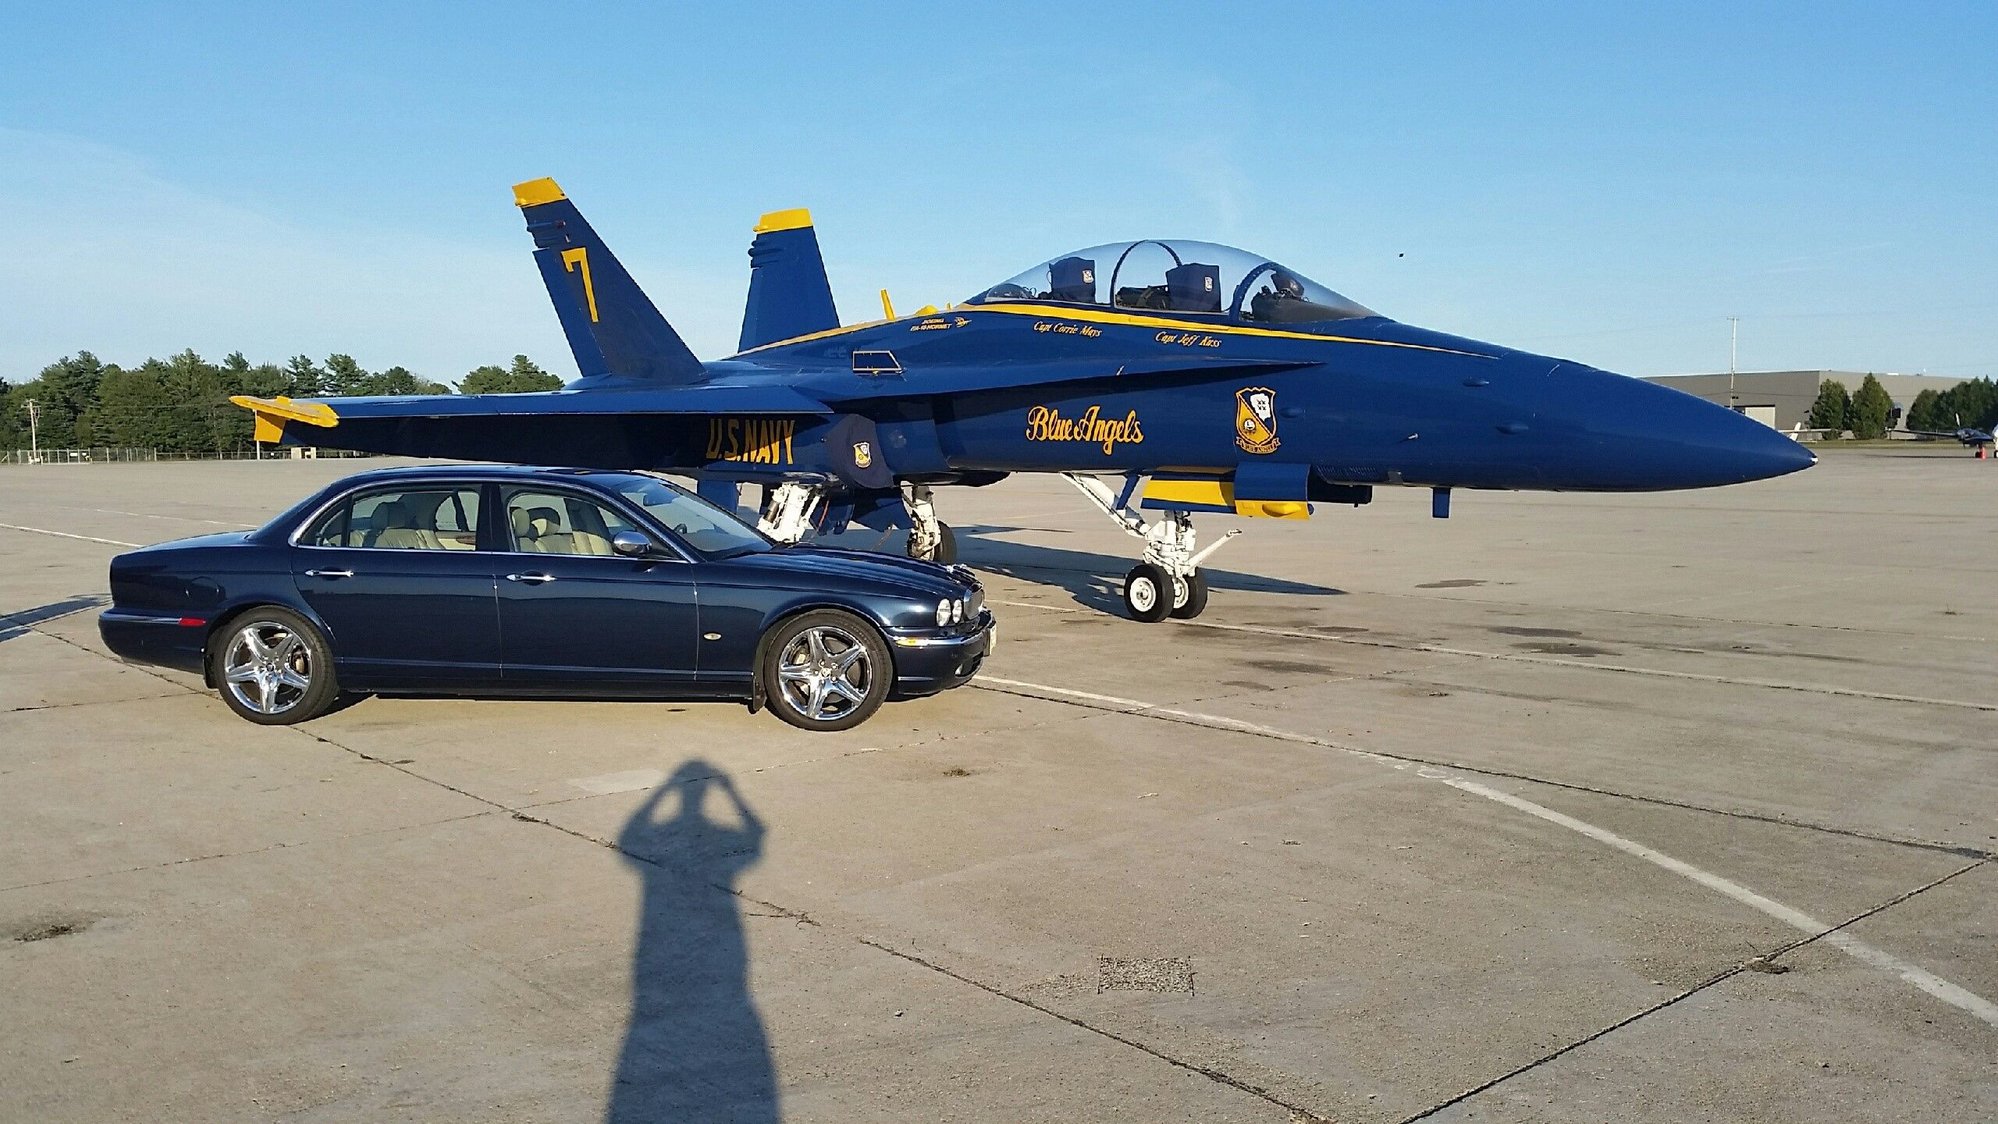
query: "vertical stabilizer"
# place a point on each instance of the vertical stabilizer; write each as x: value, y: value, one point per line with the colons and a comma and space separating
x: 788, y: 292
x: 612, y: 326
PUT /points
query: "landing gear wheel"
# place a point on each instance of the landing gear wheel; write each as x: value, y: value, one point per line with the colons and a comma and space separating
x: 1194, y: 601
x: 826, y: 670
x: 1147, y: 593
x: 946, y: 552
x: 273, y: 668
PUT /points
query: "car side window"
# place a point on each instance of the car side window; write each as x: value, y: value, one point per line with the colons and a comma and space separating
x: 541, y: 522
x: 414, y: 519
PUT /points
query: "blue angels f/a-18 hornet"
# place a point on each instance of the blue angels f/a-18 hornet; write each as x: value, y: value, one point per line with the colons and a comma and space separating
x: 1969, y: 436
x: 1206, y: 378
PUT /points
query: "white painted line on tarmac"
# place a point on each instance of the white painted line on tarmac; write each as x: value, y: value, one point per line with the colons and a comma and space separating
x: 67, y: 535
x: 1550, y: 661
x: 1935, y: 985
x: 1976, y: 1005
x: 177, y: 518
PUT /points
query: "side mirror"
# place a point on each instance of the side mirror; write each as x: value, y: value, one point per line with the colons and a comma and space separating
x: 632, y: 544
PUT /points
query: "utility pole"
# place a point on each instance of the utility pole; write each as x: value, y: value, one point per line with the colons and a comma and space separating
x: 34, y: 432
x: 1733, y: 337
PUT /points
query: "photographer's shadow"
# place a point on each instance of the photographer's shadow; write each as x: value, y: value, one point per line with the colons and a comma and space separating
x: 694, y: 1049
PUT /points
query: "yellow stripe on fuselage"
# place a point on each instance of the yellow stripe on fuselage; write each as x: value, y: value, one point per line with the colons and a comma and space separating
x: 1133, y: 320
x: 1212, y: 493
x: 1215, y: 492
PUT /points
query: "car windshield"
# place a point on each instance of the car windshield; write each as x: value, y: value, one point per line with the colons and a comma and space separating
x: 1178, y: 277
x: 705, y: 528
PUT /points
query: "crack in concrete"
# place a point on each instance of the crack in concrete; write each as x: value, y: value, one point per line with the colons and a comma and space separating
x: 1753, y: 963
x: 1212, y: 1074
x: 265, y: 849
x: 85, y: 702
x: 1947, y: 847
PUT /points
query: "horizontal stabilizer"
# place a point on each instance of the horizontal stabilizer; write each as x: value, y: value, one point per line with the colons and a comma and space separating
x: 613, y: 328
x: 789, y: 295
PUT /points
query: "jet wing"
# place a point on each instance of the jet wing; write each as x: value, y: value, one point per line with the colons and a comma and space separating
x: 926, y: 380
x: 592, y: 428
x: 696, y: 400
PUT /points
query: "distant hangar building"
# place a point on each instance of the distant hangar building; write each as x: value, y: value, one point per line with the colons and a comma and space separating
x: 1782, y: 399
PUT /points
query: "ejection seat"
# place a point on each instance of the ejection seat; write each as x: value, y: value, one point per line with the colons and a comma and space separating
x: 1072, y: 279
x: 1193, y: 287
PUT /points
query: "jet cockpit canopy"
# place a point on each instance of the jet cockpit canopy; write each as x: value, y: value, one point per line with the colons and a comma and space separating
x: 1178, y: 277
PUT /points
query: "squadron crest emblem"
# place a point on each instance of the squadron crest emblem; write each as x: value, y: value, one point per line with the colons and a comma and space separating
x: 863, y: 454
x: 1255, y: 419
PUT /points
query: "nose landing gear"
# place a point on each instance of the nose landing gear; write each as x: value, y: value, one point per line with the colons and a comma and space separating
x: 1168, y: 582
x: 929, y: 537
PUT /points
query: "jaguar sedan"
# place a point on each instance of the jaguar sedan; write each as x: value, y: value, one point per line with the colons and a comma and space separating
x: 487, y: 580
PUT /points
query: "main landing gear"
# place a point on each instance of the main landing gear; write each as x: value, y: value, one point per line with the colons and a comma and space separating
x: 1168, y: 583
x: 792, y: 512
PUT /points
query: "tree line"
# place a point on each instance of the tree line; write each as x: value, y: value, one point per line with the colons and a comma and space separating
x: 1868, y: 411
x: 181, y: 404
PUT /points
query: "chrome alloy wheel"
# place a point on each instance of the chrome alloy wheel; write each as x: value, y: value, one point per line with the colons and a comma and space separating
x: 824, y: 672
x: 268, y: 668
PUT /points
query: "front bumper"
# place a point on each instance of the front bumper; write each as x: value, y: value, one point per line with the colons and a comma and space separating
x: 926, y: 663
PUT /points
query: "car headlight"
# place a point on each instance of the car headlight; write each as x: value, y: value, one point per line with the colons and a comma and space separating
x: 943, y: 614
x: 959, y: 615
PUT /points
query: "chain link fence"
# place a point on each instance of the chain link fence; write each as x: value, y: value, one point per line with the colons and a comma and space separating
x: 110, y: 455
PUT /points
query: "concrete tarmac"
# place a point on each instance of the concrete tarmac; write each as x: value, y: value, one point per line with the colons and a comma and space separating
x: 1568, y: 808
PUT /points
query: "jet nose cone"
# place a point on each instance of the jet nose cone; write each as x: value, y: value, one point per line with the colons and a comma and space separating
x: 1659, y: 438
x: 1729, y: 447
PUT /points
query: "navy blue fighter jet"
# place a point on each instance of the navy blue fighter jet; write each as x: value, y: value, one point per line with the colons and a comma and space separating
x: 1206, y: 378
x: 1970, y: 437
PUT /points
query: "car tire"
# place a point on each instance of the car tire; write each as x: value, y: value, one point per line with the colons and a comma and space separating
x: 273, y: 667
x: 809, y: 657
x: 1147, y: 593
x: 1195, y: 602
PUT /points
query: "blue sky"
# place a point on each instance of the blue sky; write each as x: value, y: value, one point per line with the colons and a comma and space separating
x: 1603, y: 182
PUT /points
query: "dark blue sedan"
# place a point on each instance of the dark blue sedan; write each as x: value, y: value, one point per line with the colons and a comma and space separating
x: 522, y: 581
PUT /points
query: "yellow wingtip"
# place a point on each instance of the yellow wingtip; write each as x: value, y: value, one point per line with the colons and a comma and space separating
x: 793, y: 219
x: 284, y: 409
x: 535, y: 192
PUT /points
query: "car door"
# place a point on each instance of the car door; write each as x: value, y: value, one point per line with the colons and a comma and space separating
x: 396, y: 576
x: 576, y: 616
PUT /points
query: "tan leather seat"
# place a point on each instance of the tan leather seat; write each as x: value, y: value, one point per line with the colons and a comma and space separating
x: 548, y: 533
x: 589, y: 534
x: 525, y: 537
x: 392, y: 527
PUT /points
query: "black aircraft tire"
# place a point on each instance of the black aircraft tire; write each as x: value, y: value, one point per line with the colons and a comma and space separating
x: 946, y: 545
x: 1196, y: 598
x: 1147, y: 593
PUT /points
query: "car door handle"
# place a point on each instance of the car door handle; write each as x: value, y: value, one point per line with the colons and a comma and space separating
x: 329, y: 573
x: 531, y: 578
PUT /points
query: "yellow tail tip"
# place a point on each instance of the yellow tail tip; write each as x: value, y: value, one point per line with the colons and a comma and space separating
x: 792, y: 219
x: 311, y: 413
x: 535, y: 192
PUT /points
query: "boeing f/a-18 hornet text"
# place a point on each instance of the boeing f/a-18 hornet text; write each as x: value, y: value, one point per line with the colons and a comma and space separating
x: 1162, y: 378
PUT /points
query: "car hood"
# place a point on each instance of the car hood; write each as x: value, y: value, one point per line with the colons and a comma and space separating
x: 928, y: 577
